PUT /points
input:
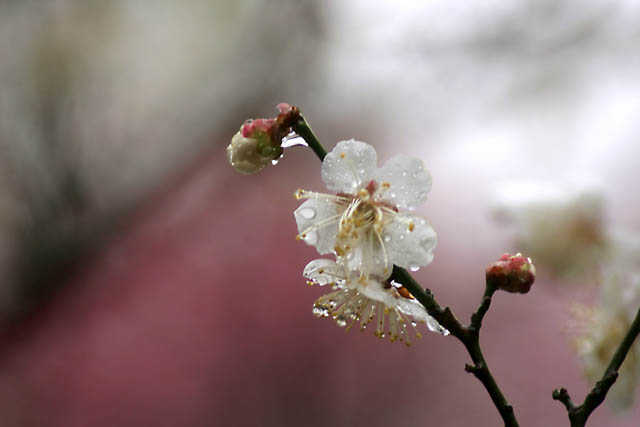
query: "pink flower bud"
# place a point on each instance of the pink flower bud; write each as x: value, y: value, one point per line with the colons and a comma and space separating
x: 250, y: 154
x: 259, y: 141
x: 512, y: 273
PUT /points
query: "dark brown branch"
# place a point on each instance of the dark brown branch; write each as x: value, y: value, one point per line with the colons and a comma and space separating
x: 468, y: 335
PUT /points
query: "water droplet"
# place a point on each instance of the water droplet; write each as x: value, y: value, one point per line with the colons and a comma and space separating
x: 317, y: 310
x: 307, y: 213
x: 402, y: 237
x: 311, y: 237
x: 414, y: 323
x: 404, y: 173
x: 341, y: 321
x: 414, y: 267
x: 386, y: 238
x: 292, y: 140
x: 392, y: 195
x: 275, y: 161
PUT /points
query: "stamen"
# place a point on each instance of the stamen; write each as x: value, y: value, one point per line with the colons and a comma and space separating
x: 384, y: 250
x: 317, y: 225
x: 304, y: 194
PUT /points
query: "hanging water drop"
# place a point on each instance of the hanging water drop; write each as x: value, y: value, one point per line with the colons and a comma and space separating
x: 386, y: 238
x: 276, y: 160
x: 341, y: 320
x: 414, y: 267
x: 317, y: 310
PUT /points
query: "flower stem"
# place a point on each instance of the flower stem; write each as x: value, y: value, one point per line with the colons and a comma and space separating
x: 578, y: 415
x: 302, y: 128
x: 468, y: 335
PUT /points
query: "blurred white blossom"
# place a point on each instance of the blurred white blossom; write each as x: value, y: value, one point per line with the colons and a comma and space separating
x: 561, y: 227
x: 602, y: 328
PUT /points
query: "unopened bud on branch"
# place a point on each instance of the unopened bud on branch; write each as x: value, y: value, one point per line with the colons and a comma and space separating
x: 259, y: 141
x: 512, y: 273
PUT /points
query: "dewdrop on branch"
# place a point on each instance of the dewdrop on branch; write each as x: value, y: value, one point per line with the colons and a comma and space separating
x: 512, y: 273
x: 258, y: 143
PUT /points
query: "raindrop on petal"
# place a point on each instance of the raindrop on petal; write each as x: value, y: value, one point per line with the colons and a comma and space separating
x: 307, y: 213
x: 387, y: 238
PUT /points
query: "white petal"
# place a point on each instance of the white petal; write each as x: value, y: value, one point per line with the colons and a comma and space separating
x: 318, y: 212
x: 349, y: 166
x: 367, y: 256
x: 410, y: 181
x: 324, y: 272
x: 409, y: 241
x: 374, y: 290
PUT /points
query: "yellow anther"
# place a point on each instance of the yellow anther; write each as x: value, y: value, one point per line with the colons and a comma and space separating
x: 386, y: 184
x: 342, y: 155
x: 412, y: 226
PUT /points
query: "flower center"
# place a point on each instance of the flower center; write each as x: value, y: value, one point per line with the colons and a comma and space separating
x: 363, y: 220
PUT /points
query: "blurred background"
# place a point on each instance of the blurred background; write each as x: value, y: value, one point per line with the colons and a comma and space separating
x: 144, y: 282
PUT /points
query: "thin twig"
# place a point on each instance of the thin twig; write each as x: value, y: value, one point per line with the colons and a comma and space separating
x: 468, y: 335
x: 578, y: 415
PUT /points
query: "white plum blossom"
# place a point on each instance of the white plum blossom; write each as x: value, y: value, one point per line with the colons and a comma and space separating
x: 362, y: 224
x: 365, y: 300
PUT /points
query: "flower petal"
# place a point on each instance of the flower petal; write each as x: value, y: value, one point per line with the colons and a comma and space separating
x: 410, y: 181
x: 324, y: 272
x: 409, y: 241
x: 349, y: 166
x: 316, y: 219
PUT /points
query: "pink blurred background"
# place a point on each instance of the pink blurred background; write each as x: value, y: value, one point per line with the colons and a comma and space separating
x: 145, y: 282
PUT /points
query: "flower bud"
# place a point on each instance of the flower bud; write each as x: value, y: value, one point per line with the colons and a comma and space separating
x: 512, y: 273
x: 252, y: 148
